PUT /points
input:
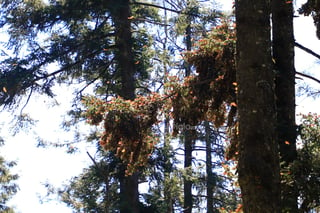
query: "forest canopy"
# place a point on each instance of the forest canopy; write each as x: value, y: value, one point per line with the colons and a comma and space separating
x: 189, y: 109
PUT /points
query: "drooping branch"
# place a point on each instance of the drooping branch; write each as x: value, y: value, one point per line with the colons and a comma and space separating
x: 311, y: 53
x: 307, y: 50
x: 308, y: 76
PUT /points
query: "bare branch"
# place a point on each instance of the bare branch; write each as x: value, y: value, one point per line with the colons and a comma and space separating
x: 307, y: 50
x: 308, y: 76
x: 28, y: 99
x: 93, y: 160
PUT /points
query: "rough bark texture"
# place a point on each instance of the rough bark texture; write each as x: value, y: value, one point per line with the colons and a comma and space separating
x: 283, y: 54
x: 258, y: 166
x: 129, y: 195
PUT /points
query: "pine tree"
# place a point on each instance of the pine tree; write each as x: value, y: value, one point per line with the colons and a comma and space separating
x: 93, y: 43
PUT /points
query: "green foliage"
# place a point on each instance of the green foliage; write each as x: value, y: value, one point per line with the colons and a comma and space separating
x: 95, y: 190
x: 8, y: 185
x: 303, y: 174
x: 77, y: 37
x: 305, y: 171
x: 162, y: 186
x: 193, y: 14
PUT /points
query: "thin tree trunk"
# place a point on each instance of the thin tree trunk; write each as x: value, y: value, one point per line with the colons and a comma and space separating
x: 283, y: 54
x: 210, y: 176
x: 129, y: 195
x: 167, y: 149
x: 188, y: 166
x: 188, y: 142
x: 258, y: 166
x: 167, y: 169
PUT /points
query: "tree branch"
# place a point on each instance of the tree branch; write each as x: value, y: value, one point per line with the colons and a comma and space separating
x: 45, y: 76
x: 165, y: 8
x: 27, y: 101
x: 308, y: 76
x: 307, y: 50
x: 157, y: 6
x: 93, y: 160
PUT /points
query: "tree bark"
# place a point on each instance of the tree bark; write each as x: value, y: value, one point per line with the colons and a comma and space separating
x: 258, y: 166
x: 129, y: 194
x: 283, y: 55
x: 124, y: 43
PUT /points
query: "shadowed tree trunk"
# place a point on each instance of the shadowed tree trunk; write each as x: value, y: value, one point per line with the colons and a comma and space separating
x: 258, y: 165
x: 283, y: 54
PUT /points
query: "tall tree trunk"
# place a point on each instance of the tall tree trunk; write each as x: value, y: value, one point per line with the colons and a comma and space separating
x: 283, y: 54
x: 129, y: 195
x: 258, y: 166
x: 188, y: 142
x: 124, y: 44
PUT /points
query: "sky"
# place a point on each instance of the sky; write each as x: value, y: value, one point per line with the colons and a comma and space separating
x: 37, y: 166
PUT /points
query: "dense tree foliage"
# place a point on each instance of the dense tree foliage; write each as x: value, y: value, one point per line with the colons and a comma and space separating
x: 304, y: 172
